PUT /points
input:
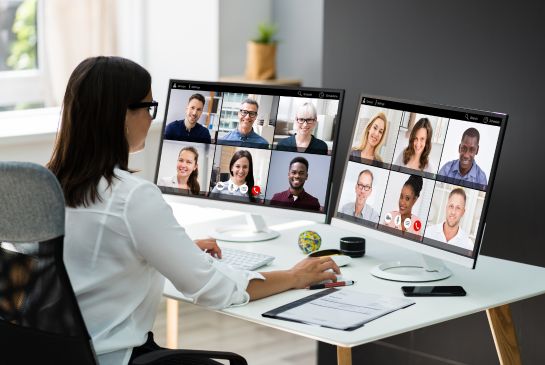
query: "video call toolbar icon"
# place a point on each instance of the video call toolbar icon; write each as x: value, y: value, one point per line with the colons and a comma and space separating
x: 388, y: 218
x: 397, y: 220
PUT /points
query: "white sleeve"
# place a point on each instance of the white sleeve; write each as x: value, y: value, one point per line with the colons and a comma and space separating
x: 164, y: 244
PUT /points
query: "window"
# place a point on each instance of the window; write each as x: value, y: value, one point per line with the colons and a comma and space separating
x: 21, y: 66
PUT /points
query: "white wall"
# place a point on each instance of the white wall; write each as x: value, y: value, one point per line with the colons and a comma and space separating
x: 181, y: 41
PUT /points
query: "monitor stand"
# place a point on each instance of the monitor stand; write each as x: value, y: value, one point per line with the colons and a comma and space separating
x: 254, y: 230
x: 431, y: 269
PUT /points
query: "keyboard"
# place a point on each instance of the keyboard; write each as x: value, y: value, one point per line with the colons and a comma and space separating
x: 244, y: 260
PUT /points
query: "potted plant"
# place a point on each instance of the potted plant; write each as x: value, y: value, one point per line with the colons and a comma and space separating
x: 261, y: 54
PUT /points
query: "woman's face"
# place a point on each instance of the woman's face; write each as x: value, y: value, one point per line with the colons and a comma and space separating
x: 419, y: 141
x: 407, y: 199
x: 187, y: 163
x: 137, y: 123
x: 240, y: 170
x: 305, y: 123
x: 376, y: 132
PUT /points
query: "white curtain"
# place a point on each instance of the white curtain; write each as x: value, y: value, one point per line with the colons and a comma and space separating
x: 75, y: 30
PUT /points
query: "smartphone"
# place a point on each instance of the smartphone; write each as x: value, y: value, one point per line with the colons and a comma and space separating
x: 433, y: 291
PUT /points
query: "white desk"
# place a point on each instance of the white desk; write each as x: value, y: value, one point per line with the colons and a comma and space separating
x: 490, y: 287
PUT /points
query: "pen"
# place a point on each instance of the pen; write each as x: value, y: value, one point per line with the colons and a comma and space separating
x: 331, y: 285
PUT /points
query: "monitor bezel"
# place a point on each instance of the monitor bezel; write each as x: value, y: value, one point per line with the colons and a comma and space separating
x: 321, y: 217
x: 466, y: 261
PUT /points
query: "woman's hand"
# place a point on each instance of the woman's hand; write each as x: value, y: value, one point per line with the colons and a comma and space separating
x: 313, y: 270
x: 306, y: 272
x: 210, y: 246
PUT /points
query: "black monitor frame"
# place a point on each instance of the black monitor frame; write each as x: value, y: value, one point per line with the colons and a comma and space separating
x: 459, y: 113
x: 289, y: 91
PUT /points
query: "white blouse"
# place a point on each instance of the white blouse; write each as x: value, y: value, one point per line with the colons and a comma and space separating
x: 117, y: 251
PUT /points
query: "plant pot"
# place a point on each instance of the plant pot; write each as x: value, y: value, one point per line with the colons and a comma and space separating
x: 260, y: 61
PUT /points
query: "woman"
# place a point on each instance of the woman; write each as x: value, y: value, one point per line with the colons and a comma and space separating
x: 241, y: 182
x: 303, y: 140
x: 416, y: 155
x: 121, y: 237
x: 372, y: 139
x: 407, y: 198
x: 187, y: 167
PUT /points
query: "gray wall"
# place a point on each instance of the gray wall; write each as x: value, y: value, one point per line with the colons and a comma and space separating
x: 300, y: 34
x: 238, y: 20
x: 480, y: 54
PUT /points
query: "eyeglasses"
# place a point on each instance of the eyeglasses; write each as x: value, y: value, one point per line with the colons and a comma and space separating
x: 364, y: 187
x: 248, y: 112
x: 150, y: 105
x: 302, y: 121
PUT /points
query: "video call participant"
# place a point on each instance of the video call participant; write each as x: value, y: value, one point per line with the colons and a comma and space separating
x: 359, y: 208
x: 466, y: 168
x: 188, y: 129
x: 121, y: 234
x: 372, y: 139
x: 449, y: 231
x: 407, y: 198
x: 187, y: 172
x: 416, y: 155
x: 244, y: 135
x: 303, y: 140
x: 296, y: 196
x: 241, y: 183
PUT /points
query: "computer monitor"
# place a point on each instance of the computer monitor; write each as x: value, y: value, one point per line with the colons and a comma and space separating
x: 420, y: 176
x: 254, y: 148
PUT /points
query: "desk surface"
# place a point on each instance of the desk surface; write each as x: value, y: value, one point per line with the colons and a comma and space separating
x: 494, y: 282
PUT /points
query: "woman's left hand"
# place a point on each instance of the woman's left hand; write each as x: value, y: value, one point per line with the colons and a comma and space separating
x: 209, y: 245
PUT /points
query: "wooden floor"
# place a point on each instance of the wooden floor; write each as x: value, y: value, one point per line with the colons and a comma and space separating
x: 204, y: 329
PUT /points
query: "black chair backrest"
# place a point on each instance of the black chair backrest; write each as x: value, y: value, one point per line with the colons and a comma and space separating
x: 39, y: 316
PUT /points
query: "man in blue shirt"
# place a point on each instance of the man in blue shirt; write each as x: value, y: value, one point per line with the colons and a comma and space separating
x: 188, y: 129
x: 465, y: 168
x: 244, y: 135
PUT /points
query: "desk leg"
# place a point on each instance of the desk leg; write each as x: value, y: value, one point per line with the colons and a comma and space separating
x: 344, y: 355
x: 503, y: 331
x: 172, y: 324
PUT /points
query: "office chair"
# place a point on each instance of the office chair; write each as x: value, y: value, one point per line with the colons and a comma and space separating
x: 40, y: 320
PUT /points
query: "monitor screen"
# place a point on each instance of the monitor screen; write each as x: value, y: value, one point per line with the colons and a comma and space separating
x: 423, y: 173
x: 250, y: 144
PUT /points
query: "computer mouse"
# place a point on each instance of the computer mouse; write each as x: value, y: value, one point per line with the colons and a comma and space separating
x: 341, y: 260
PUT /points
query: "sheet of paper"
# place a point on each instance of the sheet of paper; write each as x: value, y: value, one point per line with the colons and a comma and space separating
x: 345, y: 309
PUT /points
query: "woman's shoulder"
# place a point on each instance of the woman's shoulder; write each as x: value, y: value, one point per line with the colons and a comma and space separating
x: 318, y: 142
x: 128, y: 182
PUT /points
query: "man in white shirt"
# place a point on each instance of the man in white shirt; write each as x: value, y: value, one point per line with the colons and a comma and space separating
x: 450, y: 231
x: 360, y: 208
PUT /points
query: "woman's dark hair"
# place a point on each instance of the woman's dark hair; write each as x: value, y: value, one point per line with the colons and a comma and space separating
x: 250, y: 177
x: 91, y: 141
x: 193, y: 180
x: 409, y: 150
x: 415, y: 182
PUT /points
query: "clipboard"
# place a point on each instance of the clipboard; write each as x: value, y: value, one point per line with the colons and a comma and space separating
x: 339, y: 309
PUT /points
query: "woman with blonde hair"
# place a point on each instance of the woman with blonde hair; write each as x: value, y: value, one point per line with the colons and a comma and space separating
x: 372, y: 139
